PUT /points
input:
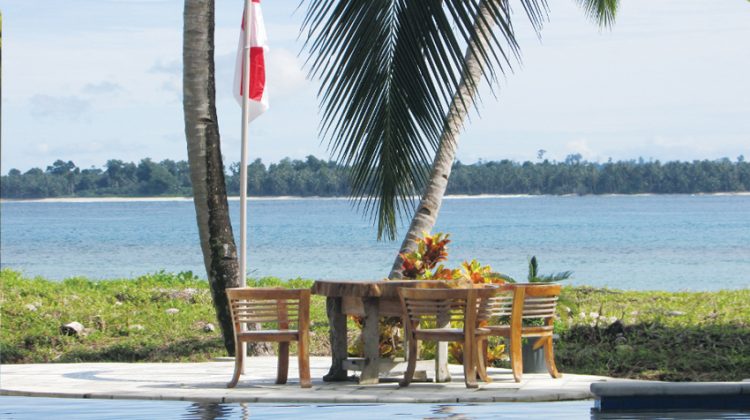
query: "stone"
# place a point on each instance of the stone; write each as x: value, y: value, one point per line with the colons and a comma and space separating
x: 187, y: 294
x: 74, y: 328
x: 675, y: 313
x: 136, y: 327
x: 172, y: 311
x: 209, y: 327
x: 30, y: 307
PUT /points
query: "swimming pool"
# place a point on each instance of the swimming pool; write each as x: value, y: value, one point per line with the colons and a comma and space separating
x: 69, y: 408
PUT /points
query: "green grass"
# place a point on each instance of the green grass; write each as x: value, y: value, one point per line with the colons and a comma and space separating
x: 701, y: 336
x: 658, y: 335
x: 125, y: 320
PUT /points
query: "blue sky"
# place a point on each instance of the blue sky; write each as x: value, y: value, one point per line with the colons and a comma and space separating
x: 91, y: 80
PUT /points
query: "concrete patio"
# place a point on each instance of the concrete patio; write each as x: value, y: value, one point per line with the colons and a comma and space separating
x: 206, y: 382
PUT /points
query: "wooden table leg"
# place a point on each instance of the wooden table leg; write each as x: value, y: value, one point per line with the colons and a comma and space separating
x: 441, y: 355
x: 337, y: 335
x: 371, y: 338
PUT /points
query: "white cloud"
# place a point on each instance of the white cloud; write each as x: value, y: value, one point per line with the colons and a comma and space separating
x: 101, y: 88
x: 173, y: 67
x: 287, y: 77
x: 46, y: 106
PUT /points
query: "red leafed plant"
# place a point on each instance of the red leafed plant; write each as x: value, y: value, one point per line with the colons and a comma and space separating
x: 422, y: 264
x: 431, y: 249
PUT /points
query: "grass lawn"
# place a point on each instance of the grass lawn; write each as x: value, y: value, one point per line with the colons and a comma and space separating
x: 648, y: 335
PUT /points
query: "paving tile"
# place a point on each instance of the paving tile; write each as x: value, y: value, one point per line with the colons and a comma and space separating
x: 206, y: 382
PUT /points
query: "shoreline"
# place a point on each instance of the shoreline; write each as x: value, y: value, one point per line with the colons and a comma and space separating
x: 319, y: 198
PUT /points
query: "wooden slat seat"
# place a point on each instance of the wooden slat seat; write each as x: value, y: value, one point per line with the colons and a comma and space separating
x: 504, y: 316
x: 288, y: 311
x: 270, y: 335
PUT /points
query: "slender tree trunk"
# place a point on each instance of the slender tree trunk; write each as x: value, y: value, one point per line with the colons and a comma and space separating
x: 429, y: 206
x: 204, y: 158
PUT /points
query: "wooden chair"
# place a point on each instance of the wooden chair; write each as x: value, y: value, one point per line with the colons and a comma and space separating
x: 422, y: 308
x: 288, y: 310
x: 505, y: 315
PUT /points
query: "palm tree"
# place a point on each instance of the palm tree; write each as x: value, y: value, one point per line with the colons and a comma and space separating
x: 204, y: 158
x: 396, y: 88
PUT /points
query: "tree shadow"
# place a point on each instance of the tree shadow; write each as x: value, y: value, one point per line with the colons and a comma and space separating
x: 655, y: 351
x: 190, y: 348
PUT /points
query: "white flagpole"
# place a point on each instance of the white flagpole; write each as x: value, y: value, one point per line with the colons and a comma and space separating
x: 243, y: 160
x: 245, y: 86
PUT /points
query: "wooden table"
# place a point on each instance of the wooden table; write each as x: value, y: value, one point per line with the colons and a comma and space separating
x: 371, y: 300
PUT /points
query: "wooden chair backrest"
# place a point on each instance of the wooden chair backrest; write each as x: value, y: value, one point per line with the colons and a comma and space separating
x: 536, y: 301
x: 524, y: 300
x: 423, y: 306
x: 539, y: 300
x: 500, y: 304
x: 284, y: 308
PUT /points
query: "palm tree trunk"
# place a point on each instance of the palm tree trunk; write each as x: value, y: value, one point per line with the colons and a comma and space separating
x: 429, y: 206
x: 204, y: 158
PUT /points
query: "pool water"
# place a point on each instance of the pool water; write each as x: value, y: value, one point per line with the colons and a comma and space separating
x: 63, y: 408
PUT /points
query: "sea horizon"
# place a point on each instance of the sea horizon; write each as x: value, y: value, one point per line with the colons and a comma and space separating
x: 115, y: 199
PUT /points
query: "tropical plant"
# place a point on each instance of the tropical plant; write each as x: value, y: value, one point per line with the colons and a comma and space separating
x: 397, y: 86
x: 535, y: 277
x: 389, y: 71
x: 204, y: 158
x: 476, y: 65
x: 422, y: 264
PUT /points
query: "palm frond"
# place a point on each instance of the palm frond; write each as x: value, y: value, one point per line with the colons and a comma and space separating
x: 535, y: 277
x: 600, y: 11
x: 388, y: 71
x: 533, y: 269
x: 554, y: 277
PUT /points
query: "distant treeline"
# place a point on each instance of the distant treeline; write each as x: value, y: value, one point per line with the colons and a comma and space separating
x: 316, y: 177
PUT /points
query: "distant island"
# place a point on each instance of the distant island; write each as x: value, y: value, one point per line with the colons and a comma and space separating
x: 318, y: 177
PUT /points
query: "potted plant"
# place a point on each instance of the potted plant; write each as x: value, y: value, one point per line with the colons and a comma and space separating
x: 533, y: 360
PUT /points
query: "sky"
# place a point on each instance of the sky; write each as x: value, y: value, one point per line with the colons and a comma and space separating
x: 93, y: 80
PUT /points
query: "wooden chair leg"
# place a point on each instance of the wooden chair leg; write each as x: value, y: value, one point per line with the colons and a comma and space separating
x: 412, y: 362
x: 303, y: 360
x: 238, y: 362
x: 482, y: 361
x: 549, y: 358
x: 282, y: 368
x: 516, y: 358
x: 470, y: 369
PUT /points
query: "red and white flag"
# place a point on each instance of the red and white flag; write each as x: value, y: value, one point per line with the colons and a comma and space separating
x: 257, y: 86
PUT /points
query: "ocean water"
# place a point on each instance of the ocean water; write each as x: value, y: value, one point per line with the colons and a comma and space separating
x: 659, y: 242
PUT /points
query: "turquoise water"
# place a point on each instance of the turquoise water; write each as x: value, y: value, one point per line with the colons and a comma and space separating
x: 63, y: 409
x: 670, y: 242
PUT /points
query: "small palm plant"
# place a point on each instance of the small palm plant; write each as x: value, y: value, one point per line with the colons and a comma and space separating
x: 535, y: 277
